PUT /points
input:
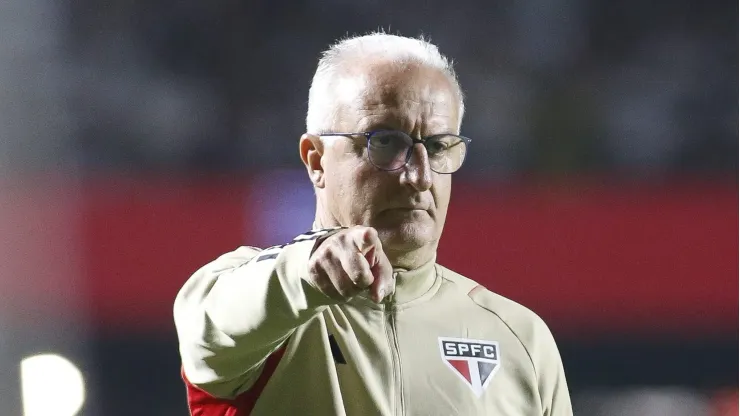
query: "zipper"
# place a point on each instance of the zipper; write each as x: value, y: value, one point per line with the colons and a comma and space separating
x: 391, y: 332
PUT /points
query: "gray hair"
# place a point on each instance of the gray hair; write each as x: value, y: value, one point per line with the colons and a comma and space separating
x: 322, y: 108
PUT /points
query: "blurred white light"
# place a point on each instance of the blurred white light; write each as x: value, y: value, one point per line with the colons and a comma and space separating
x: 51, y: 386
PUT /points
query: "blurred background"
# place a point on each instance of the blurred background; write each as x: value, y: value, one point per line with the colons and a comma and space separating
x: 141, y: 139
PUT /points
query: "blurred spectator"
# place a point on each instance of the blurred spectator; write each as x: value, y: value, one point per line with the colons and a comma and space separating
x: 553, y: 87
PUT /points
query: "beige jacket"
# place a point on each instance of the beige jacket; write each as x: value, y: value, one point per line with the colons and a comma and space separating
x: 256, y: 338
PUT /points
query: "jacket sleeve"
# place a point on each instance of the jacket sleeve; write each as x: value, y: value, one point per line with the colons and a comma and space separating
x: 237, y: 310
x: 551, y: 375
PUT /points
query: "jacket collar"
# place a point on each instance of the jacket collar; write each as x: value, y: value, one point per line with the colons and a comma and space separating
x: 412, y: 284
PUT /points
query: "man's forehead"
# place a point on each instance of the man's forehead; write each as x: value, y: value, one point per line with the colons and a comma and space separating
x: 391, y: 83
x: 371, y: 92
x: 386, y: 81
x: 434, y: 98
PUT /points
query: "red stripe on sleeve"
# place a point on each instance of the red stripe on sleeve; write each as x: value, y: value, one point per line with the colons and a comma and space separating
x: 475, y: 289
x: 203, y: 404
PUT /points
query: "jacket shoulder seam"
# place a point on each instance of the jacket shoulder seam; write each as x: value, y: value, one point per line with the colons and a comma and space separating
x: 529, y: 355
x: 478, y: 287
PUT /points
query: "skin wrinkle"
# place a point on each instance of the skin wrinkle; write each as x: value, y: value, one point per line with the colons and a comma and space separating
x: 419, y: 100
x: 394, y: 119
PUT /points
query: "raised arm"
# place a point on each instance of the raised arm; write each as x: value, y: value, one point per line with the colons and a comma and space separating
x: 237, y: 310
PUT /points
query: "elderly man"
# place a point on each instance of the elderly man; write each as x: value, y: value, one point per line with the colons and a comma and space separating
x: 355, y: 317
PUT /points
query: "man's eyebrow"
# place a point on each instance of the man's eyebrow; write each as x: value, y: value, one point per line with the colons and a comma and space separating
x: 378, y: 122
x: 368, y: 124
x: 380, y: 126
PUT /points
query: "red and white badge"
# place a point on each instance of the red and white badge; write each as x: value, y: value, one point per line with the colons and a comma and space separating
x: 475, y: 361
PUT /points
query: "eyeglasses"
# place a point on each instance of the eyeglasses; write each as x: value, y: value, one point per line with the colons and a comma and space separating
x: 390, y: 150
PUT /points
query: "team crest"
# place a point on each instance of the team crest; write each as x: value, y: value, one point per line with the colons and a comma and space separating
x: 475, y: 361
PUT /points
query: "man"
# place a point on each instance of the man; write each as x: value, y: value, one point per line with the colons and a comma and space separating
x: 355, y: 317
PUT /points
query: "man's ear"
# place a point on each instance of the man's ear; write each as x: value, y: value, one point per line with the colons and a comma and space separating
x: 312, y: 150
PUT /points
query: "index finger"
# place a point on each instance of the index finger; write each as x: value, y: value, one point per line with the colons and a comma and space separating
x: 384, y: 284
x: 366, y: 239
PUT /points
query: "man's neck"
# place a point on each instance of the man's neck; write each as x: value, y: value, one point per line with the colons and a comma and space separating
x: 409, y: 260
x: 324, y: 221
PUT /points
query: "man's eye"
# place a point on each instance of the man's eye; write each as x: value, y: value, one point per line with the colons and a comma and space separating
x: 437, y: 146
x: 383, y: 141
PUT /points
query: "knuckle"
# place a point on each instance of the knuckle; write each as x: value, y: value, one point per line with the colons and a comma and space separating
x: 341, y: 240
x: 329, y: 255
x: 313, y: 267
x: 346, y: 291
x: 355, y: 277
x: 317, y: 275
x: 370, y: 234
x: 360, y: 279
x: 366, y: 235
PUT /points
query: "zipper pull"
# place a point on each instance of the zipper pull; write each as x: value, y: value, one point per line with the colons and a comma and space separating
x: 390, y: 299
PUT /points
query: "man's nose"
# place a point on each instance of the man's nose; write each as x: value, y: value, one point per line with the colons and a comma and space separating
x: 418, y: 173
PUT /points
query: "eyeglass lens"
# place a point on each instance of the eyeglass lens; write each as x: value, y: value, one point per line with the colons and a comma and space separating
x: 390, y: 150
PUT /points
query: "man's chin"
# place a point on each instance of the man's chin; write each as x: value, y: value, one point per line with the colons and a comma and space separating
x: 406, y: 236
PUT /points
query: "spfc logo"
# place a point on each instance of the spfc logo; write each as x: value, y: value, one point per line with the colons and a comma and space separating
x: 473, y: 360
